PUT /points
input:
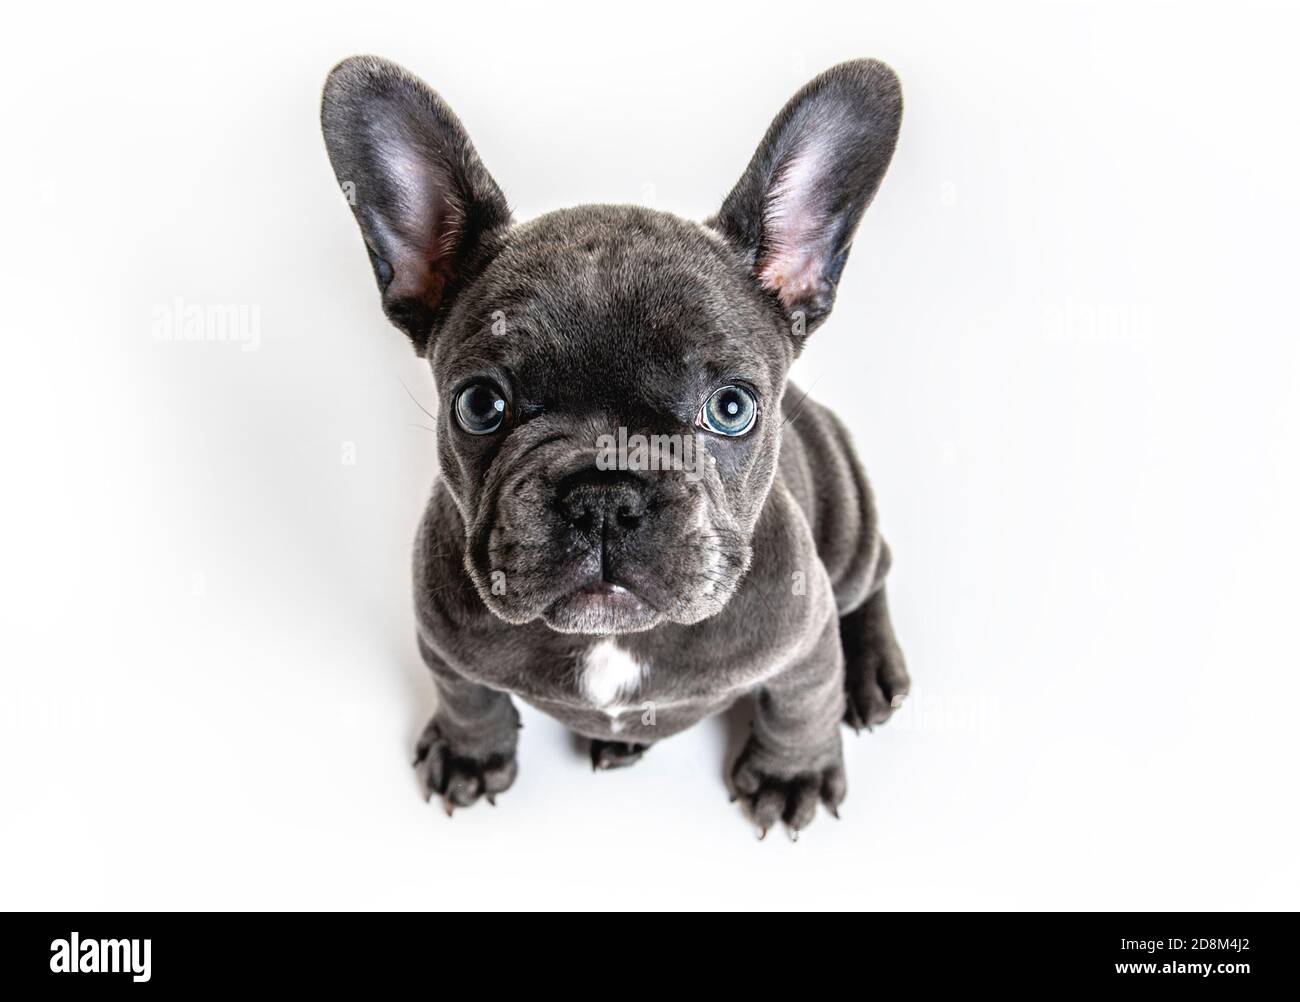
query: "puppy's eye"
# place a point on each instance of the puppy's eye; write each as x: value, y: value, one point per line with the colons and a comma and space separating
x: 730, y: 410
x: 480, y: 409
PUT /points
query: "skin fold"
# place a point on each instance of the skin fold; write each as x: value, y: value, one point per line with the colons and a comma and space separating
x: 631, y: 602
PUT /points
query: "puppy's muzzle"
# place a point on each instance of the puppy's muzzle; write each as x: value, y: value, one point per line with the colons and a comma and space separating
x: 602, y: 506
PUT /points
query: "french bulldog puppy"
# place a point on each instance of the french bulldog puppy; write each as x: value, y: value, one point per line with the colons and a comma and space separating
x: 558, y: 561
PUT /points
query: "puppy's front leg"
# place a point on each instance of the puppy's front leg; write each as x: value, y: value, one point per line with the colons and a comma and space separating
x: 467, y: 749
x: 794, y: 758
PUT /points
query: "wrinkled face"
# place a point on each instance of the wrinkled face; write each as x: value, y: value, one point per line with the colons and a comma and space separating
x: 610, y: 378
x: 609, y: 390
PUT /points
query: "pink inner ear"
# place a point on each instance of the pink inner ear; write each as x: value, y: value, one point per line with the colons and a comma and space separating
x: 794, y: 228
x: 428, y: 223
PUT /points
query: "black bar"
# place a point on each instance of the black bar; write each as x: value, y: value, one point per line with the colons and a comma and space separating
x: 1234, y: 953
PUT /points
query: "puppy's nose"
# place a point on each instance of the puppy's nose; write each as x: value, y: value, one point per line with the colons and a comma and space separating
x: 601, y: 503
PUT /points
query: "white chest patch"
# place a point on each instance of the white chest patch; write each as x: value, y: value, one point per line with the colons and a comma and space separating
x: 610, y: 674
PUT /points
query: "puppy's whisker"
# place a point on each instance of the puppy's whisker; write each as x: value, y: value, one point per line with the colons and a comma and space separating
x: 800, y: 403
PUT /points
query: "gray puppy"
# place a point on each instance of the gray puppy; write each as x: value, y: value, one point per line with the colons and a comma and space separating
x: 638, y: 520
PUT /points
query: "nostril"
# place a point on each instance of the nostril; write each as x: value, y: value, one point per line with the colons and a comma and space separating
x: 578, y: 513
x: 595, y: 503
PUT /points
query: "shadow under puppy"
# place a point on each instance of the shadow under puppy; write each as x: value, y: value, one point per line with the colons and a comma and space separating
x: 630, y: 599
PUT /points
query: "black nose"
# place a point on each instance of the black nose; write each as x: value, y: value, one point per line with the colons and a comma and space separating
x: 601, y: 503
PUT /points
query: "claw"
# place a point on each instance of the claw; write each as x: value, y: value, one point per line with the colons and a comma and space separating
x: 835, y: 811
x: 448, y: 806
x: 762, y: 834
x: 794, y: 834
x: 491, y: 798
x: 897, y: 701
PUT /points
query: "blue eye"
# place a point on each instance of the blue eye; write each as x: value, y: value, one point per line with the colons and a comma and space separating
x: 730, y: 410
x: 480, y: 409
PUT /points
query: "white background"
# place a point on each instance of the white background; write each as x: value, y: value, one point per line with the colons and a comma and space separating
x: 1066, y: 343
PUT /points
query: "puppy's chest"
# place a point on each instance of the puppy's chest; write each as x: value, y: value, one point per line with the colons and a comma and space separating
x: 607, y: 675
x: 611, y: 687
x: 638, y: 695
x: 621, y: 694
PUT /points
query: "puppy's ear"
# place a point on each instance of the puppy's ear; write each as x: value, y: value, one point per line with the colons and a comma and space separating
x: 424, y: 201
x: 796, y: 207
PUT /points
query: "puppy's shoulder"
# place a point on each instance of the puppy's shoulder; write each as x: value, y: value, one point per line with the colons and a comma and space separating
x: 786, y: 569
x: 822, y: 471
x: 445, y: 597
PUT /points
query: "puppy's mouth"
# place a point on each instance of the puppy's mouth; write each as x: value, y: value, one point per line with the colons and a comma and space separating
x: 600, y: 607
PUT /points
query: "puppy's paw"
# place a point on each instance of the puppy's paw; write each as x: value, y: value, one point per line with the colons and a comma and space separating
x: 614, y: 754
x: 785, y: 786
x: 460, y: 775
x: 875, y: 685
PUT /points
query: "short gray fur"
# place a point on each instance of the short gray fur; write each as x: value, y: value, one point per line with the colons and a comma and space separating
x: 763, y: 575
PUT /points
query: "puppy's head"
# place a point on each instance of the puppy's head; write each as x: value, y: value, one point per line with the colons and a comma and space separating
x: 610, y: 378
